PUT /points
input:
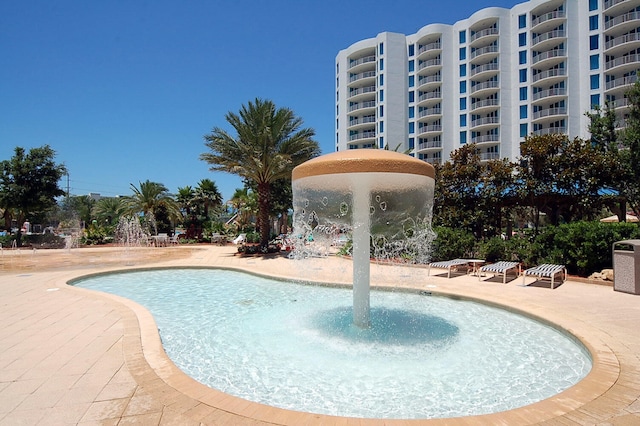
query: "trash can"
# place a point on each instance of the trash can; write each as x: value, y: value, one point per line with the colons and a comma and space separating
x: 626, y: 266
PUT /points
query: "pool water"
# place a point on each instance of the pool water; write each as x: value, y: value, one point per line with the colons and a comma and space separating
x: 293, y: 346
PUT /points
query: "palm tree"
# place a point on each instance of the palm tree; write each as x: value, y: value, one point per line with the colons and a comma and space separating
x: 242, y: 203
x: 108, y: 210
x: 185, y: 199
x: 152, y: 198
x: 269, y: 144
x: 207, y: 195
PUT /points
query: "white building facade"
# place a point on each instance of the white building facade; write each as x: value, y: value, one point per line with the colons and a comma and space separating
x: 492, y: 79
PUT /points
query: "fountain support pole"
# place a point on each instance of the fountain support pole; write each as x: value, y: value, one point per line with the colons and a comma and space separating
x: 361, y: 255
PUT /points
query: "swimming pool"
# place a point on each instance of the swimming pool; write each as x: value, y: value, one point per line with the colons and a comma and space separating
x: 293, y: 346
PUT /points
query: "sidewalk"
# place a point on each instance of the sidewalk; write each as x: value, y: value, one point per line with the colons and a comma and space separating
x: 72, y: 356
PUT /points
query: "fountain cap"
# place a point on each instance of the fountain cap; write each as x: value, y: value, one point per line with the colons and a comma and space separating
x: 363, y: 161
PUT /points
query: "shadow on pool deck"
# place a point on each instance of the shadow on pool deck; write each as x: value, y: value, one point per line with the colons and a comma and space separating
x: 72, y: 356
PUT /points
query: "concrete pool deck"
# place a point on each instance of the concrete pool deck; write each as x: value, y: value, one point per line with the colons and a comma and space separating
x: 73, y: 356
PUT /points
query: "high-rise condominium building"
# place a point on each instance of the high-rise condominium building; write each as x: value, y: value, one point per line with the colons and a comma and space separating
x: 492, y: 79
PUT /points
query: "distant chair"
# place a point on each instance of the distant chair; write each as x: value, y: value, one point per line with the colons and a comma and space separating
x: 501, y: 267
x: 546, y: 271
x: 448, y: 265
x: 174, y: 239
x: 240, y: 239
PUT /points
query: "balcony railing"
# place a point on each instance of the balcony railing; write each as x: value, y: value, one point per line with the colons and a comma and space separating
x: 360, y: 61
x: 485, y: 85
x: 360, y: 105
x: 485, y: 156
x: 430, y: 46
x: 361, y: 90
x: 550, y: 131
x: 485, y: 138
x: 554, y: 72
x: 430, y: 95
x: 625, y: 81
x: 363, y: 135
x: 485, y: 120
x: 623, y: 60
x: 486, y: 67
x: 547, y: 16
x: 548, y: 36
x: 630, y: 16
x: 429, y: 63
x: 430, y: 144
x: 430, y: 111
x: 362, y: 75
x: 548, y: 55
x: 430, y: 79
x: 611, y: 3
x: 484, y: 103
x: 621, y: 40
x: 556, y: 91
x: 549, y: 112
x: 487, y: 49
x: 430, y: 128
x: 362, y: 120
x: 483, y: 33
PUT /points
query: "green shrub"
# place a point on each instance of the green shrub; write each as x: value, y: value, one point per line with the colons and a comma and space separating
x: 493, y: 249
x: 452, y: 243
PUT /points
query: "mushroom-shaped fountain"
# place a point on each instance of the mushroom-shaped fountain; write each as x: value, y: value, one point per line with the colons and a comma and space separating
x: 381, y: 200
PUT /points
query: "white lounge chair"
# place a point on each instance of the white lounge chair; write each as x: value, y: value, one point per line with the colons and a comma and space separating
x: 448, y: 265
x: 546, y: 271
x: 502, y: 267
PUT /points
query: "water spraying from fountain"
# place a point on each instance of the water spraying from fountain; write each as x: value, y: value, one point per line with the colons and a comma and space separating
x: 381, y: 200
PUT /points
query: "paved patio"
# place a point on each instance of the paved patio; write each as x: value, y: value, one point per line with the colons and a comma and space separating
x: 72, y: 356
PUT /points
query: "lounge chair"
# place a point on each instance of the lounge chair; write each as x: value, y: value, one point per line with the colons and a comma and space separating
x: 448, y: 265
x: 501, y: 267
x: 546, y: 271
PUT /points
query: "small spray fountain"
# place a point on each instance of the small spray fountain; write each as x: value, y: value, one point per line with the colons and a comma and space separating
x: 382, y: 200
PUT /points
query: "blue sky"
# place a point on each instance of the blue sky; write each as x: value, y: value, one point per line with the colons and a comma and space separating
x: 124, y: 91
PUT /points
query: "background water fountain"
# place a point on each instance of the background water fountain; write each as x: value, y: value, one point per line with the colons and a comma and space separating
x: 130, y: 234
x: 382, y: 201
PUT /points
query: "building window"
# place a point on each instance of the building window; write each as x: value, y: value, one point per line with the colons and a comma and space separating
x: 412, y: 65
x: 462, y: 35
x: 412, y: 81
x: 463, y: 137
x: 381, y: 142
x: 412, y: 96
x: 595, y: 101
x: 522, y: 39
x: 463, y: 70
x: 381, y: 79
x: 593, y: 22
x: 412, y: 128
x: 522, y: 57
x: 524, y: 130
x: 523, y: 76
x: 381, y: 126
x: 523, y: 111
x: 381, y: 49
x: 463, y: 87
x: 593, y: 5
x: 463, y: 104
x: 412, y: 50
x: 594, y: 62
x: 595, y: 82
x: 381, y: 96
x: 463, y: 53
x: 522, y: 21
x: 593, y: 42
x: 381, y: 111
x: 412, y: 143
x: 381, y: 64
x: 463, y: 120
x: 412, y: 112
x: 523, y: 93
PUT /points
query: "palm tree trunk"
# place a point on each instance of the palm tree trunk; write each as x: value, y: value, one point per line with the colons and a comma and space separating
x: 264, y: 195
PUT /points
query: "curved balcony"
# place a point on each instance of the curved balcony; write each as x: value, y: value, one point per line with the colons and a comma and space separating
x: 549, y: 114
x: 620, y: 84
x: 550, y: 76
x: 487, y: 86
x: 551, y: 131
x: 429, y: 66
x: 484, y: 54
x: 623, y: 23
x: 485, y: 70
x: 429, y: 50
x: 362, y: 93
x: 549, y: 95
x: 613, y: 7
x: 485, y: 36
x: 429, y: 130
x: 361, y: 64
x: 430, y: 81
x: 626, y: 42
x: 487, y: 156
x: 361, y: 122
x: 485, y: 105
x: 623, y: 64
x: 486, y: 139
x: 484, y: 123
x: 551, y: 19
x: 430, y: 146
x: 363, y: 107
x: 430, y: 98
x: 429, y: 114
x: 549, y: 58
x: 371, y: 134
x: 549, y: 39
x: 362, y: 79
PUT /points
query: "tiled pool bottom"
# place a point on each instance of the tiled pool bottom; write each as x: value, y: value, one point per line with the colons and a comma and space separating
x: 240, y: 334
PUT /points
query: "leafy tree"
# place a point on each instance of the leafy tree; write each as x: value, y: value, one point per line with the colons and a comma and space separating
x: 29, y: 183
x: 153, y: 200
x: 269, y: 143
x: 107, y: 211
